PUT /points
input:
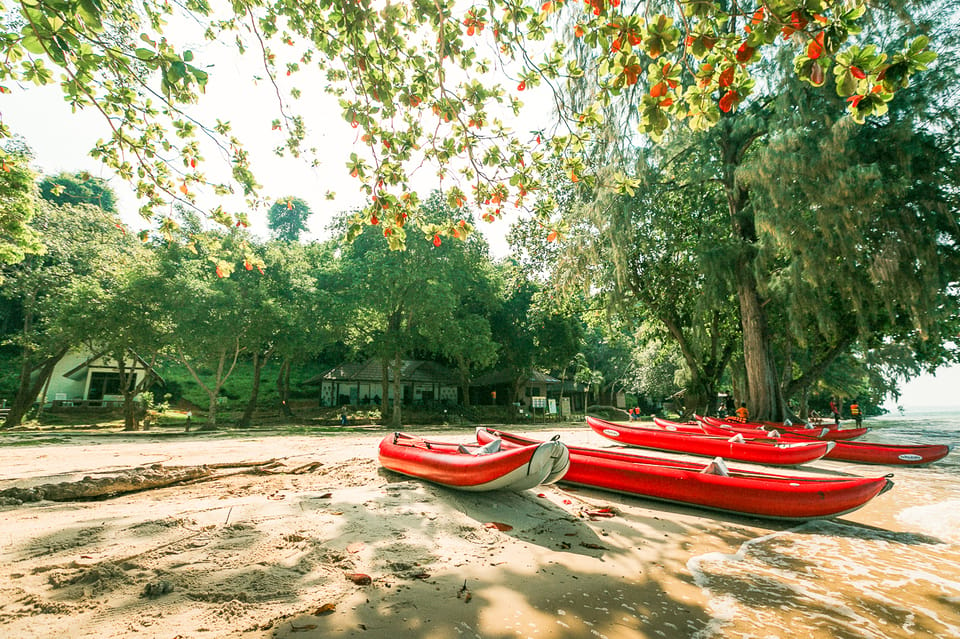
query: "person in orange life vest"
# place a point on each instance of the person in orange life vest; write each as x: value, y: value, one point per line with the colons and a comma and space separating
x: 856, y: 414
x: 743, y: 415
x: 836, y: 411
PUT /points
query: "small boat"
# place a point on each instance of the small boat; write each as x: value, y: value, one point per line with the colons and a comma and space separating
x: 474, y: 467
x: 757, y: 451
x: 860, y: 452
x: 750, y: 428
x: 711, y: 485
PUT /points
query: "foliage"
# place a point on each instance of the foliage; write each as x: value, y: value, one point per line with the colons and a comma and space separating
x: 287, y: 218
x: 78, y: 188
x: 413, y: 79
x: 17, y: 207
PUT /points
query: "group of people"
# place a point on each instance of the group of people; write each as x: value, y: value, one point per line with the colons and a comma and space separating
x: 742, y: 414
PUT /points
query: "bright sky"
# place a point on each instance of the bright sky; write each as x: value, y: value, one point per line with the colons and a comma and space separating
x: 62, y: 140
x: 940, y: 391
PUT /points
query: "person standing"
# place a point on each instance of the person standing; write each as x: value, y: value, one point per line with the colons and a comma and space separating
x: 836, y: 411
x: 856, y: 413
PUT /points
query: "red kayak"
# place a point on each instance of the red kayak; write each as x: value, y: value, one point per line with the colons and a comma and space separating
x: 757, y: 451
x: 861, y: 452
x: 472, y: 467
x: 711, y: 485
x: 830, y: 434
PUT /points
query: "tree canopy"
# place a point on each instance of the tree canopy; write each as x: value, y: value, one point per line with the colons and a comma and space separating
x: 430, y: 84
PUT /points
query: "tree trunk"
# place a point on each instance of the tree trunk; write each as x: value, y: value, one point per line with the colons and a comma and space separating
x: 27, y: 391
x: 283, y: 387
x: 130, y: 421
x: 258, y: 363
x: 464, y: 370
x: 764, y: 399
x: 397, y: 416
x: 384, y: 389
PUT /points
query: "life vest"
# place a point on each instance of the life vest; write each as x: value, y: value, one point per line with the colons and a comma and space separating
x: 743, y: 414
x: 854, y: 409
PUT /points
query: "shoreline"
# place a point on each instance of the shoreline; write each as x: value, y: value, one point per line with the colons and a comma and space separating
x: 268, y: 555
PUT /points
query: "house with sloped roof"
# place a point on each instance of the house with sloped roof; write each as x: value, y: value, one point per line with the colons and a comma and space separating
x: 83, y: 378
x: 361, y: 383
x: 503, y: 388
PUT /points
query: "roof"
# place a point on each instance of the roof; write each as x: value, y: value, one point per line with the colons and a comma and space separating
x: 412, y: 370
x: 79, y: 372
x: 506, y: 377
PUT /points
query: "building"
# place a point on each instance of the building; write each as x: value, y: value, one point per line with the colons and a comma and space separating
x: 423, y: 383
x: 498, y: 388
x: 82, y: 379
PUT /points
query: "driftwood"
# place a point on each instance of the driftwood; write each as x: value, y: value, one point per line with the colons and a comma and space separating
x: 144, y: 478
x: 89, y: 488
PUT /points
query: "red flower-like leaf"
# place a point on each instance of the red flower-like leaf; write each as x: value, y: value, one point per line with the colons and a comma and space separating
x: 726, y: 77
x: 744, y: 53
x: 727, y: 102
x: 815, y: 48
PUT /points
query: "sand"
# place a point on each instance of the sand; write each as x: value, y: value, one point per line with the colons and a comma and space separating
x: 343, y: 548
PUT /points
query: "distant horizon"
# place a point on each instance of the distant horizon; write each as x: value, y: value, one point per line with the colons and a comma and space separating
x: 929, y: 393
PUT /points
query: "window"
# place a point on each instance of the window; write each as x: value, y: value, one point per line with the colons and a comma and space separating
x: 104, y: 384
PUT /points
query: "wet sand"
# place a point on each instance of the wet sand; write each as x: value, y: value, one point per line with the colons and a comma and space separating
x: 290, y: 555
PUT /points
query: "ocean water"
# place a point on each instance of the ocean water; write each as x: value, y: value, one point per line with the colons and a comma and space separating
x: 889, y: 570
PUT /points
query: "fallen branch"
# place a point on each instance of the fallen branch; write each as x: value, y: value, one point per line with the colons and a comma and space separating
x: 90, y: 488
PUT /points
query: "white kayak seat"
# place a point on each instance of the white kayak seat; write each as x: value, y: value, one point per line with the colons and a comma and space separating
x: 787, y: 422
x: 808, y: 426
x: 492, y: 446
x: 773, y: 433
x: 737, y: 439
x: 716, y: 467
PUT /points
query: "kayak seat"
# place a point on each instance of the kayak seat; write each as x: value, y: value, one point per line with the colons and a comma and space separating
x: 737, y: 439
x: 716, y: 467
x: 491, y: 447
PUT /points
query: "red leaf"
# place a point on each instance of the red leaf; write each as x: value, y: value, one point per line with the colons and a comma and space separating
x: 858, y: 73
x: 247, y: 265
x: 499, y: 526
x: 744, y: 53
x: 658, y: 90
x: 325, y: 609
x: 815, y: 48
x: 726, y: 77
x: 552, y: 236
x: 522, y: 86
x: 436, y: 240
x: 728, y: 100
x: 219, y: 271
x: 359, y: 578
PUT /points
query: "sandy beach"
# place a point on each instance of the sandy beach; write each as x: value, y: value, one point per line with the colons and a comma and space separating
x: 326, y: 543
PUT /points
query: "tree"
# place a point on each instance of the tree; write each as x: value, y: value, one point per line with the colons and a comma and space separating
x: 78, y: 188
x: 17, y: 208
x: 774, y: 254
x: 413, y: 300
x: 209, y: 318
x: 82, y: 244
x: 287, y: 218
x: 119, y: 316
x: 392, y: 69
